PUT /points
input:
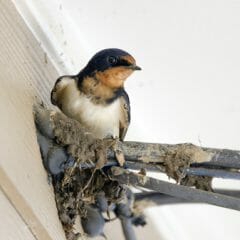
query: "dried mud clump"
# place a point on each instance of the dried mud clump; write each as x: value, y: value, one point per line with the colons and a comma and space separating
x: 81, y: 191
x: 79, y: 142
x: 180, y: 157
x: 200, y: 182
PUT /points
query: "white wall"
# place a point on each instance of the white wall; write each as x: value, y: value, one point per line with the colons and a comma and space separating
x: 189, y: 88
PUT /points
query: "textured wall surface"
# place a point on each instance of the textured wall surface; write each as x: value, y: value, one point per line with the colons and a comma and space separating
x: 25, y: 73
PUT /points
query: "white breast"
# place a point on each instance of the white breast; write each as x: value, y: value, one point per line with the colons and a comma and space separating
x: 101, y: 120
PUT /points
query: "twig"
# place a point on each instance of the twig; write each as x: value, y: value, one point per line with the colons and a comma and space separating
x: 164, y: 199
x: 179, y: 191
x: 192, y: 171
x: 156, y: 153
x: 218, y: 173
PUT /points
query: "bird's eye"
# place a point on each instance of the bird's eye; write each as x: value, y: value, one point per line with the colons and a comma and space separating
x: 112, y: 60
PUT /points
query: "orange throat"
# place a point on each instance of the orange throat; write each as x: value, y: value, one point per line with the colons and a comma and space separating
x: 114, y: 78
x: 104, y: 85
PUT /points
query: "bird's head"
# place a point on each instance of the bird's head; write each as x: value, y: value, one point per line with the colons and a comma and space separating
x: 111, y: 67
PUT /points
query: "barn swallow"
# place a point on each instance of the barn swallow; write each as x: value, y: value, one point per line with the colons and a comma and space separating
x: 96, y: 96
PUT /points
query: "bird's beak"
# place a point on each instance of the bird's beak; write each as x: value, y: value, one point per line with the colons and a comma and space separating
x: 135, y: 67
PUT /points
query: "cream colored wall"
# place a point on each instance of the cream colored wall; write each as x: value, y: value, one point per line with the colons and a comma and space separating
x: 13, y: 227
x: 24, y: 74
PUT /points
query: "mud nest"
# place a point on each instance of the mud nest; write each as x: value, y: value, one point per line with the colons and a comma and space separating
x: 76, y: 164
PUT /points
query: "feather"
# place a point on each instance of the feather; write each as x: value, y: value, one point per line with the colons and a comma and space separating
x: 125, y: 116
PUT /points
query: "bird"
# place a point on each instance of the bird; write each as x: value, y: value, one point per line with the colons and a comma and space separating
x: 96, y: 96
